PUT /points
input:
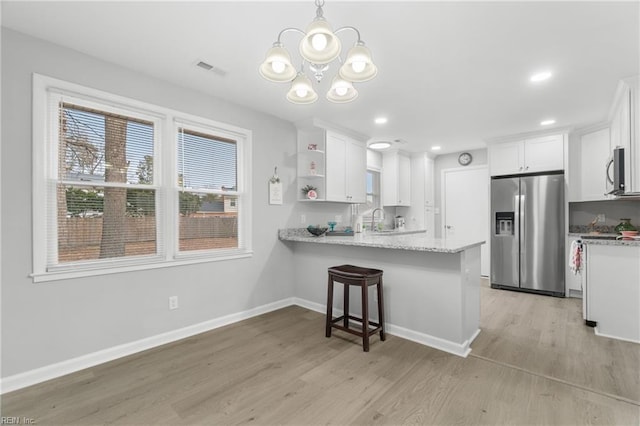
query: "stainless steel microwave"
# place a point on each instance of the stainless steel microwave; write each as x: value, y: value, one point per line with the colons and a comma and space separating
x: 616, y: 164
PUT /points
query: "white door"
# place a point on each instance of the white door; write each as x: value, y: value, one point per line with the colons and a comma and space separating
x: 465, y: 207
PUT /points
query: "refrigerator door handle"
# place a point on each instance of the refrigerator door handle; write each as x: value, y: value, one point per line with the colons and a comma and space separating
x: 523, y: 221
x: 516, y: 216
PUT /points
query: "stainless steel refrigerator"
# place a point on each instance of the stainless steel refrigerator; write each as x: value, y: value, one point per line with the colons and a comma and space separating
x: 527, y: 233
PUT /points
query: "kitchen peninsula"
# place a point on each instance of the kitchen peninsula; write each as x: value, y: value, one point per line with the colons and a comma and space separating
x: 431, y: 285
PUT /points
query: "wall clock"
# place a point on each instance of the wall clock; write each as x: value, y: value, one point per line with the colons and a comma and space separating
x: 465, y: 159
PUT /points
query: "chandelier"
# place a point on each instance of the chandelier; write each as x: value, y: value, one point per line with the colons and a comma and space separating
x: 319, y: 47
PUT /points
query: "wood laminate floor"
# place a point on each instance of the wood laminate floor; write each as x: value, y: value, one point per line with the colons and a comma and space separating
x: 533, y: 363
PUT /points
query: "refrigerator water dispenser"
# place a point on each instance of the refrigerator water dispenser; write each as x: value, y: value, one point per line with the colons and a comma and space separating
x: 504, y: 223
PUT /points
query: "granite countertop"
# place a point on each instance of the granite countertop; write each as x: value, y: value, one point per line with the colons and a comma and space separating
x: 395, y: 241
x: 605, y: 242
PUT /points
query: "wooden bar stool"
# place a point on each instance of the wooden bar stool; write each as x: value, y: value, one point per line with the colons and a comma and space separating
x: 350, y: 275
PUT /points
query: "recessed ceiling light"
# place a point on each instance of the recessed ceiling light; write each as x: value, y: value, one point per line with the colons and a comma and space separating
x: 547, y: 122
x: 436, y: 148
x: 380, y: 145
x: 541, y: 76
x: 381, y: 120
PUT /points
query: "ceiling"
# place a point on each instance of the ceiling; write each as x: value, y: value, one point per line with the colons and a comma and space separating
x: 452, y: 74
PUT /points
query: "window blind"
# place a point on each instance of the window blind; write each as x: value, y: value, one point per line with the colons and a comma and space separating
x: 105, y: 193
x: 209, y: 201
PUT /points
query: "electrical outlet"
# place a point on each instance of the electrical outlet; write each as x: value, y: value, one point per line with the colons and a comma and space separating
x: 339, y: 218
x: 303, y: 218
x: 600, y: 218
x: 173, y: 302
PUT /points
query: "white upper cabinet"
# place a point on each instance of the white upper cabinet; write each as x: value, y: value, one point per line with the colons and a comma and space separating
x: 346, y: 161
x: 506, y: 158
x: 396, y: 179
x: 591, y: 149
x: 331, y: 162
x: 545, y: 153
x: 356, y: 172
x: 594, y: 154
x: 533, y: 155
x: 625, y: 130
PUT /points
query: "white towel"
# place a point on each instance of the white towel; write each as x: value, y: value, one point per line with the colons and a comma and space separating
x: 575, y: 261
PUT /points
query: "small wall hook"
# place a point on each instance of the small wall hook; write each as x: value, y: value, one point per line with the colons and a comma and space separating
x: 275, y: 178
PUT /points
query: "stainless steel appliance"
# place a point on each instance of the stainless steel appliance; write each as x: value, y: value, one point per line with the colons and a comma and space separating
x: 527, y: 233
x: 399, y: 223
x: 616, y: 182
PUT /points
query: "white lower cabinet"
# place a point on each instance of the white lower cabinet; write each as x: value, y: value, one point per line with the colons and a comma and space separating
x: 613, y: 290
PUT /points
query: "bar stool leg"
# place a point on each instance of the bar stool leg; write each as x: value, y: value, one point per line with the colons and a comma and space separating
x: 365, y: 316
x: 381, y: 310
x: 346, y: 305
x: 329, y: 306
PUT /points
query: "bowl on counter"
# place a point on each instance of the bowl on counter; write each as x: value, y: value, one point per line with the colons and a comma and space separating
x: 629, y: 234
x: 317, y: 230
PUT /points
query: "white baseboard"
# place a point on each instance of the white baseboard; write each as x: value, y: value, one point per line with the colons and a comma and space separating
x: 610, y: 336
x: 312, y: 306
x: 52, y: 371
x: 462, y: 349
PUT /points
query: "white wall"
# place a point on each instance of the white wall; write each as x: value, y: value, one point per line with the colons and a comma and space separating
x: 46, y: 323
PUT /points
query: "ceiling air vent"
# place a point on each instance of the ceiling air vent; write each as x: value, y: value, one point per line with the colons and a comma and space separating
x: 208, y: 67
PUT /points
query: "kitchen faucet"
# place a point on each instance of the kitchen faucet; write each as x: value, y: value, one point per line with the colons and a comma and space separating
x: 373, y: 218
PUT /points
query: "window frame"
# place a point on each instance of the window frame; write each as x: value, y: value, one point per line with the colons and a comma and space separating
x: 377, y: 180
x: 46, y: 93
x: 189, y: 123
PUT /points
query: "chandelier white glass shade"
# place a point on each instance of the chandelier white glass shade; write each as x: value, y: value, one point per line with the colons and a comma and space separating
x: 319, y: 47
x: 358, y: 67
x: 341, y: 91
x: 277, y: 67
x: 301, y: 91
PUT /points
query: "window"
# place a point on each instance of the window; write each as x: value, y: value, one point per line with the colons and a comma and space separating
x: 105, y: 198
x: 122, y: 185
x: 373, y: 192
x: 208, y: 195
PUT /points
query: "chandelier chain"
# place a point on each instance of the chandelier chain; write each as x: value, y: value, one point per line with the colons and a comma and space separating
x: 319, y: 6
